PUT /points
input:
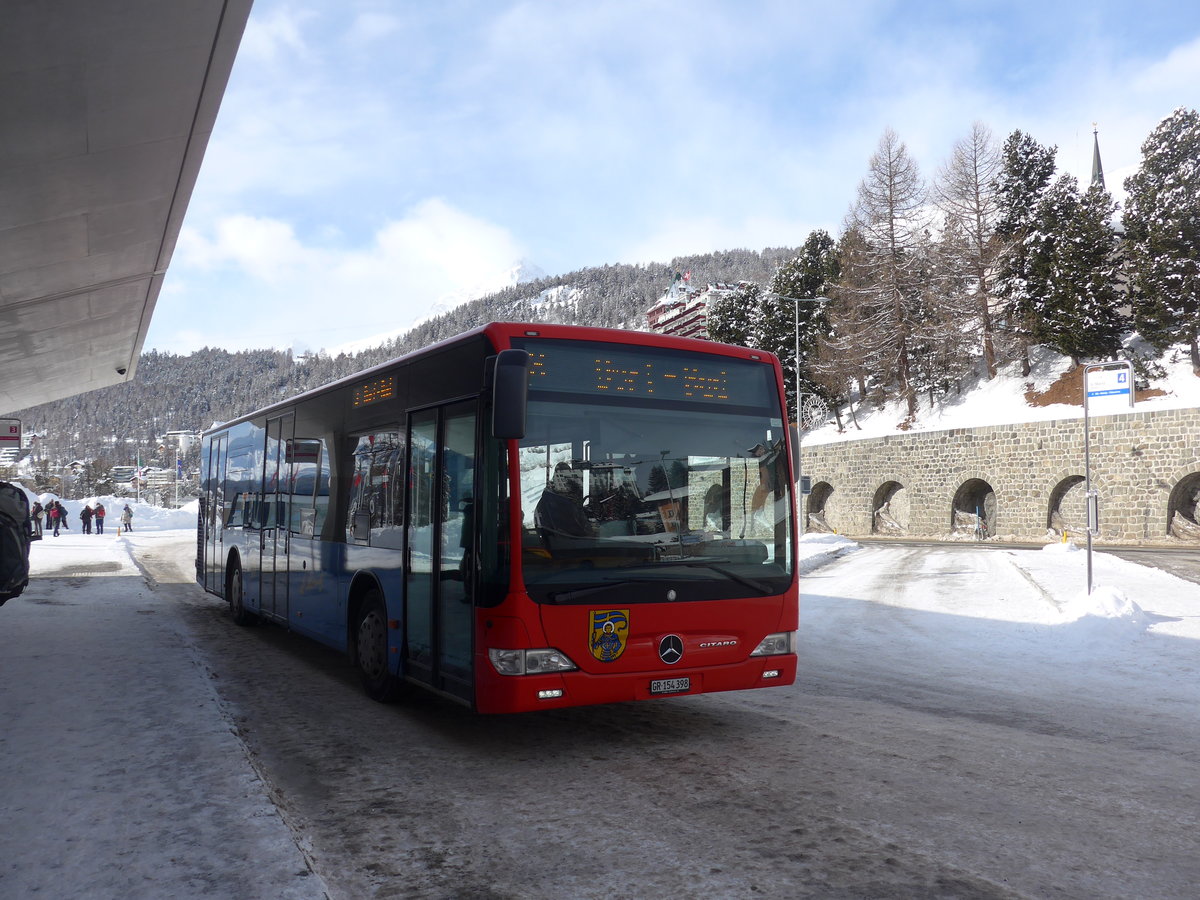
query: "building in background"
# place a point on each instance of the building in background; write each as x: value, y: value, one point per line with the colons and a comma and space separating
x: 682, y: 311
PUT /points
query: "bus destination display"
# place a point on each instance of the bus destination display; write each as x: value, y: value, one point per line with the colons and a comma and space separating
x: 650, y: 373
x: 383, y: 388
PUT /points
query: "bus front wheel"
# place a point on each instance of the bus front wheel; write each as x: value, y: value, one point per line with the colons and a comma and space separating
x: 237, y: 597
x: 371, y: 650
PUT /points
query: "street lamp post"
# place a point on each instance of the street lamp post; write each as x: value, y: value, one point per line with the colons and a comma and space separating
x: 796, y: 361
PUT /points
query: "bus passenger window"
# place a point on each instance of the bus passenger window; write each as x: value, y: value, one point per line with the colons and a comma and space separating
x: 236, y: 515
x: 377, y: 490
x: 304, y: 455
x: 322, y: 497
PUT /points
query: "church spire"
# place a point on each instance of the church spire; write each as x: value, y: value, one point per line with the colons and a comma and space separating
x: 1097, y: 168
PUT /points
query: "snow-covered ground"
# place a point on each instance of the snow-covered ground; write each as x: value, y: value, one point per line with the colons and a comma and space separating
x: 1127, y: 599
x: 123, y: 774
x: 1021, y: 618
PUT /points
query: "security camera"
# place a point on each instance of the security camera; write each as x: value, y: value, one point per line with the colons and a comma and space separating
x: 121, y: 370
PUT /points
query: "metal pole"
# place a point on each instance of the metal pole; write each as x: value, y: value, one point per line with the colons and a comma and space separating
x: 796, y: 322
x: 796, y: 358
x: 1087, y: 478
x: 801, y: 502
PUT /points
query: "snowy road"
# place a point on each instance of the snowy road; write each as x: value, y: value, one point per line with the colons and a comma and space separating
x: 957, y: 731
x: 1054, y: 759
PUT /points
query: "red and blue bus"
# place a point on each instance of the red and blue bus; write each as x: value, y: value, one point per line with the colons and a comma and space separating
x: 523, y: 517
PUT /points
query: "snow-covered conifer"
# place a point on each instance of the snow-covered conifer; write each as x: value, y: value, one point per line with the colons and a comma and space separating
x: 1162, y: 229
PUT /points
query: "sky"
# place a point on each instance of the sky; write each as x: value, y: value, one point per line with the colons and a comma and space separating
x: 373, y: 159
x: 99, y: 787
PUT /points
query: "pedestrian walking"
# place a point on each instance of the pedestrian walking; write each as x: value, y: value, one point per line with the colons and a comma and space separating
x: 127, y: 518
x: 85, y: 516
x: 37, y: 513
x: 63, y: 518
x: 98, y: 516
x: 52, y: 515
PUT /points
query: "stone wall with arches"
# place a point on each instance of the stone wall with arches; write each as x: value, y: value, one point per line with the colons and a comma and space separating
x: 1023, y: 481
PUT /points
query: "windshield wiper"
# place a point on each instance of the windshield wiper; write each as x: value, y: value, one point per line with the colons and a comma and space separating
x: 721, y: 570
x: 571, y: 596
x: 755, y: 585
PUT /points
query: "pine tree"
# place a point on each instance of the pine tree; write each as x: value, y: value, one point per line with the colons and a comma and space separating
x: 1072, y: 272
x: 1025, y: 173
x: 810, y: 275
x: 1162, y: 226
x: 734, y: 319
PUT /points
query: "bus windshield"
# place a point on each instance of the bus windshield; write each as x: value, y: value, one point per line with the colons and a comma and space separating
x: 649, y: 500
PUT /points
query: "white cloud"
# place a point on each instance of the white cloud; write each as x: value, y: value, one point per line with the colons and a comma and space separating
x: 262, y: 285
x: 438, y: 244
x: 1180, y: 68
x: 266, y: 249
x: 683, y: 235
x: 275, y: 35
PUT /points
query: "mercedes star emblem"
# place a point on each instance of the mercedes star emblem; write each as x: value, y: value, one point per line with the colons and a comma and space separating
x: 670, y: 649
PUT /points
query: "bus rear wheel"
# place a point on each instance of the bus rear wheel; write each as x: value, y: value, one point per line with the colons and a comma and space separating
x: 237, y: 596
x: 371, y: 650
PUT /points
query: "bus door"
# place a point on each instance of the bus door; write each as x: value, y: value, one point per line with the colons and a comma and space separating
x: 214, y: 516
x: 276, y: 516
x: 439, y: 620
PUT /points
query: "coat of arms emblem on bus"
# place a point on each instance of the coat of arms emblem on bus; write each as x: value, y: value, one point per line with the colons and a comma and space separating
x: 610, y: 631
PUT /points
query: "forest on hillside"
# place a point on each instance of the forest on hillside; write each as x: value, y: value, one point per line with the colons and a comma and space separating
x: 930, y: 280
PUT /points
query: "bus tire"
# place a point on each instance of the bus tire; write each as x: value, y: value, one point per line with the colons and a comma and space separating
x: 371, y: 650
x: 237, y: 596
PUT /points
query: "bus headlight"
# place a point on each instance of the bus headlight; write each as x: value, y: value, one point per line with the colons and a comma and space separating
x: 529, y: 662
x: 776, y: 644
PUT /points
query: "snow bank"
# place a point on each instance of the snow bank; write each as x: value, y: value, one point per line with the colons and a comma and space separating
x: 1061, y: 547
x: 145, y: 516
x: 1105, y: 610
x: 818, y: 549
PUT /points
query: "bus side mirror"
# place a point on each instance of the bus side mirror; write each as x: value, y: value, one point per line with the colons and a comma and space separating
x: 510, y: 394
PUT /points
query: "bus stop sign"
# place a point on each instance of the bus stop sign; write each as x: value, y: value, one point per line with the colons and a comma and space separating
x: 1108, y: 388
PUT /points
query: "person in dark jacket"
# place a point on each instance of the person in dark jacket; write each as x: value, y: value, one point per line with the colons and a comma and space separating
x: 85, y: 516
x: 36, y: 514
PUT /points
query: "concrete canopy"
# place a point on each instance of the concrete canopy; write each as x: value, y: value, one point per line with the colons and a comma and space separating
x: 106, y: 107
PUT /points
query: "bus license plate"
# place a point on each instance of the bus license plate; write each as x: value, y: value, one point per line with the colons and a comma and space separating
x: 670, y: 685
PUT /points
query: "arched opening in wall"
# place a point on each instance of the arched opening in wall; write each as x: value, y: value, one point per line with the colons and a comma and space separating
x: 1183, y: 509
x: 890, y: 509
x: 973, y: 512
x: 1068, y: 506
x: 818, y: 519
